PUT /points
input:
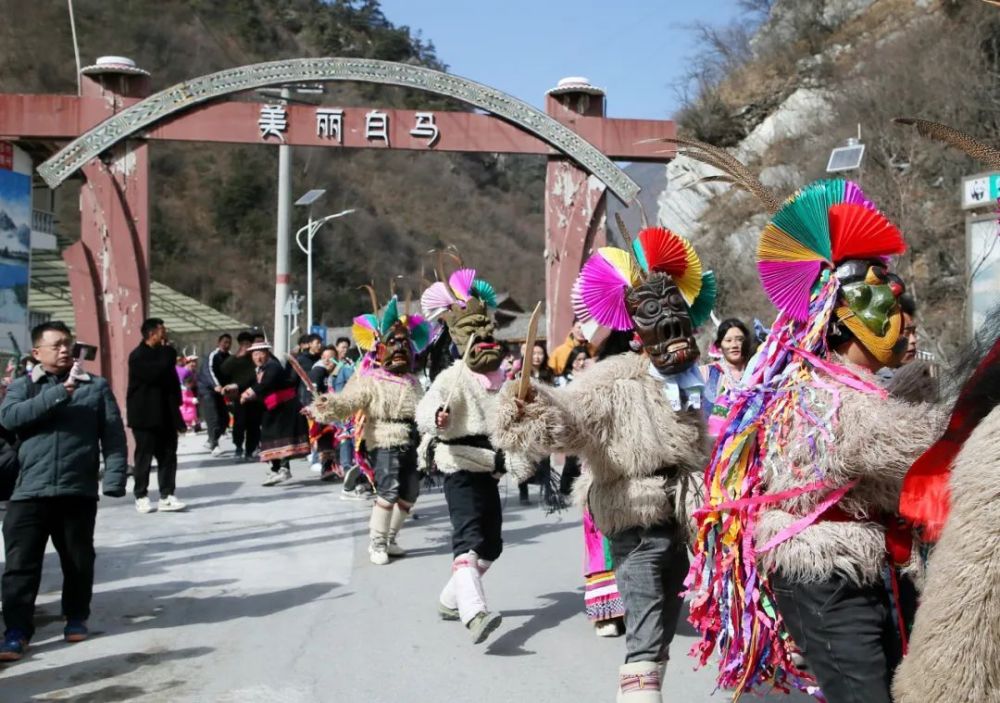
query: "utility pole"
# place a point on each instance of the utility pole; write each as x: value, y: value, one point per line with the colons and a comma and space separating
x: 309, y: 276
x: 281, y: 271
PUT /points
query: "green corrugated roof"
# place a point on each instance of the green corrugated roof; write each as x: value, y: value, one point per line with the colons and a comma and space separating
x: 50, y: 294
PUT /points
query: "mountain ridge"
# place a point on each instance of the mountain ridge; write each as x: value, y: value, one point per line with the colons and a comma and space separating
x: 213, y: 207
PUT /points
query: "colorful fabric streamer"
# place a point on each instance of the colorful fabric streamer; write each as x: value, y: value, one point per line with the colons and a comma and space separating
x: 732, y: 604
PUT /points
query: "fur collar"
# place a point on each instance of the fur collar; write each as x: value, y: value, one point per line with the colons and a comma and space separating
x: 37, y: 373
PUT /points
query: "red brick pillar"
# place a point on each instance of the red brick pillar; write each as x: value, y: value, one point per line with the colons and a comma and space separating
x: 109, y: 266
x: 574, y: 208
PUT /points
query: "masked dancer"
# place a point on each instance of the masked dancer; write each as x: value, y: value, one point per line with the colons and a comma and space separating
x: 635, y: 420
x: 386, y: 391
x: 800, y: 533
x: 457, y: 417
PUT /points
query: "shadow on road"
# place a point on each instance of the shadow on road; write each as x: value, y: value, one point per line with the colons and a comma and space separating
x: 562, y: 606
x: 42, y: 684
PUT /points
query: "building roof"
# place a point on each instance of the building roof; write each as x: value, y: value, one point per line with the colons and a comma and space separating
x: 50, y: 294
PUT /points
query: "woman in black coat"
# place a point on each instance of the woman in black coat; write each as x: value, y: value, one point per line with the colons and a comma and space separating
x: 284, y: 431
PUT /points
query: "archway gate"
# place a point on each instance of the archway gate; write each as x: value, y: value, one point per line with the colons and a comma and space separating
x: 113, y: 120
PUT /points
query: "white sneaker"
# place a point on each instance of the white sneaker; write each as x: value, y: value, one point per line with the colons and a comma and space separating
x: 316, y: 468
x: 276, y: 477
x: 393, y: 549
x: 607, y: 628
x: 356, y: 494
x: 217, y: 451
x: 144, y: 506
x: 378, y: 555
x: 169, y: 504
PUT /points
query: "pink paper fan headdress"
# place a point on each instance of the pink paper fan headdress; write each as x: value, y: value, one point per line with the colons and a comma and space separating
x: 610, y: 273
x: 459, y: 289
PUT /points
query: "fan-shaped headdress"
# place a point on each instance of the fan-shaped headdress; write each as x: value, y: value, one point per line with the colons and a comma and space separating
x: 461, y: 287
x: 819, y: 227
x: 606, y: 278
x: 368, y: 329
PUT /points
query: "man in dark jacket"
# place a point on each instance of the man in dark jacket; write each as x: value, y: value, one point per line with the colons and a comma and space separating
x: 153, y: 411
x: 311, y: 348
x: 65, y: 420
x: 210, y: 398
x: 238, y: 374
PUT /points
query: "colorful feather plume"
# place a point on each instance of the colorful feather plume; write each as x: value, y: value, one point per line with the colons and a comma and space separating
x: 390, y: 316
x: 420, y: 331
x: 824, y: 223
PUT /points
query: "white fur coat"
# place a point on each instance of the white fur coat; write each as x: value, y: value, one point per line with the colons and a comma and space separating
x: 616, y: 418
x: 472, y: 411
x: 385, y: 402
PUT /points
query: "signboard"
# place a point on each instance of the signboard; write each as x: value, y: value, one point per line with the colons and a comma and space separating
x: 15, y: 252
x: 981, y: 190
x: 320, y: 330
x: 983, y: 250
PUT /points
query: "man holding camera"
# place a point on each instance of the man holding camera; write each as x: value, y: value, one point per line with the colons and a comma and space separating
x: 64, y: 419
x: 152, y: 408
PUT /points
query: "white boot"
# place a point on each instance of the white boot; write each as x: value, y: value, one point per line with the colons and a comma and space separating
x: 378, y: 528
x: 639, y: 682
x: 395, y: 525
x: 448, y: 602
x: 471, y: 599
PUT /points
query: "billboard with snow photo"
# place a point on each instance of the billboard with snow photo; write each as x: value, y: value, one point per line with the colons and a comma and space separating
x: 15, y: 257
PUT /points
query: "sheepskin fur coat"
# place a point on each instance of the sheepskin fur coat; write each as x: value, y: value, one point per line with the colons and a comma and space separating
x: 615, y: 417
x: 955, y: 645
x: 387, y: 401
x: 874, y: 443
x: 471, y: 412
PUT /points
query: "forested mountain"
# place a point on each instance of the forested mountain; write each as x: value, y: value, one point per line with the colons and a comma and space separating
x: 213, y: 206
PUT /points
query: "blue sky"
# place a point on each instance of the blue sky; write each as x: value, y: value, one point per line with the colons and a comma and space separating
x: 634, y: 49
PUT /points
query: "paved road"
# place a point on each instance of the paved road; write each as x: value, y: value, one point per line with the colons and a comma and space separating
x: 266, y: 595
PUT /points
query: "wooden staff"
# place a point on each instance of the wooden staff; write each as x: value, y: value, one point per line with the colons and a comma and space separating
x: 529, y: 344
x: 301, y: 373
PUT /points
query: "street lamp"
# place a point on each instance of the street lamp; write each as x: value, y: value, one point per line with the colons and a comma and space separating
x: 311, y: 229
x: 284, y: 225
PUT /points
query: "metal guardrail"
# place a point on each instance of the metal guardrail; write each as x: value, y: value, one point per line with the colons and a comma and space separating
x: 43, y: 221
